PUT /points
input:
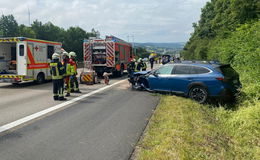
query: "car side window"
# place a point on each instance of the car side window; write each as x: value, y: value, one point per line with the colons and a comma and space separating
x: 164, y: 70
x: 182, y: 69
x: 201, y: 70
x: 198, y: 70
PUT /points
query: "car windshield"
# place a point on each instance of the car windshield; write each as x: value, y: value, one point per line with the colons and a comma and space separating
x: 164, y: 70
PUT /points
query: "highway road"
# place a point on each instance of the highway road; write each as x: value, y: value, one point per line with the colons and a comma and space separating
x: 102, y: 125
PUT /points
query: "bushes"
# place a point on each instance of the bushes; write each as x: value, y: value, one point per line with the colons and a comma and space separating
x: 242, y: 50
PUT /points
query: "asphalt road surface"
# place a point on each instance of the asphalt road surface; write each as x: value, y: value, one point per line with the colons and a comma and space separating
x: 106, y: 125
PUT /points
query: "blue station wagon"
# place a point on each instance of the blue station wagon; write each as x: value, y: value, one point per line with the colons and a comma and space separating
x: 197, y: 81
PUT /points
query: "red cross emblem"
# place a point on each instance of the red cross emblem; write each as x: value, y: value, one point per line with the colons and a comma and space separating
x: 36, y: 48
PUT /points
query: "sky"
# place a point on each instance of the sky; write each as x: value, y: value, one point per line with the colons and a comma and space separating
x: 131, y: 20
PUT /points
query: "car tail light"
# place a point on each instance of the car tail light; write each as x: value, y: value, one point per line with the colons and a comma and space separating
x: 222, y: 79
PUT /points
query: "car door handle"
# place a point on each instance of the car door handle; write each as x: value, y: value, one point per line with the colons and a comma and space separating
x: 190, y: 79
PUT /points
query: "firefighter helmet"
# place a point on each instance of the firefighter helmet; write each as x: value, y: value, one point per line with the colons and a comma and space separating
x: 72, y: 54
x: 55, y: 56
x: 65, y: 54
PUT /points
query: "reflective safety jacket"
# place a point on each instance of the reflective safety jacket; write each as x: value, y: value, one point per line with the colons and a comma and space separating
x: 57, y: 69
x: 73, y: 66
x: 144, y: 66
x: 138, y: 67
x: 131, y: 66
x: 67, y: 69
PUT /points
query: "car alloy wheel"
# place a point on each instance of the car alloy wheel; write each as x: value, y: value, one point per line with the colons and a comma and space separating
x: 198, y: 94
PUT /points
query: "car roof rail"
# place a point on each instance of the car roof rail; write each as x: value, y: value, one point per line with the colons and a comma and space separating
x: 201, y: 62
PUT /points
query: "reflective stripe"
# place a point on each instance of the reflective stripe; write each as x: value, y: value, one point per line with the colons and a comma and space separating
x: 10, y: 76
x: 73, y: 71
x: 68, y: 70
x: 145, y: 66
x: 55, y: 71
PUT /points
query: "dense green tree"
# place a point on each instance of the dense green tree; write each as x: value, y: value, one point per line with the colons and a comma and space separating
x: 219, y: 18
x: 8, y: 26
x: 48, y: 31
x: 26, y: 31
x: 73, y: 40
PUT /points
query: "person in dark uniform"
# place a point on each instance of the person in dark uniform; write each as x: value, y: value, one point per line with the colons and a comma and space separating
x: 143, y: 64
x: 131, y: 67
x: 151, y: 62
x: 57, y: 72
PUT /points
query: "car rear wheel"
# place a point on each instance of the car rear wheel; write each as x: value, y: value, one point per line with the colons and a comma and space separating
x: 199, y: 94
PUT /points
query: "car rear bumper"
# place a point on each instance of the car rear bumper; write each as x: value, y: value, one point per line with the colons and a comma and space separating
x: 227, y: 95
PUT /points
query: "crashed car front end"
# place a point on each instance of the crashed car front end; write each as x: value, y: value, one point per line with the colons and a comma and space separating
x: 139, y: 80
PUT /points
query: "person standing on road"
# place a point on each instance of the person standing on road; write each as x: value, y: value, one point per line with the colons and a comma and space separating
x: 57, y: 72
x: 151, y: 62
x: 74, y: 80
x: 67, y: 67
x: 143, y: 64
x: 138, y: 66
x: 131, y: 67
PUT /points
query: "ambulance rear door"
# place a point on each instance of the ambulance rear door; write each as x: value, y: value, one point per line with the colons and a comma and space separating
x: 21, y: 58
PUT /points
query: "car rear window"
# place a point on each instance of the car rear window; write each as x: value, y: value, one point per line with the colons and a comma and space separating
x: 228, y: 71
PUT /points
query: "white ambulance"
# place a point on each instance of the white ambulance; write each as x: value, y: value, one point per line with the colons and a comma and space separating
x: 26, y: 59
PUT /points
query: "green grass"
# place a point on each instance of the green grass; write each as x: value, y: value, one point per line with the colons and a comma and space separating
x: 183, y: 129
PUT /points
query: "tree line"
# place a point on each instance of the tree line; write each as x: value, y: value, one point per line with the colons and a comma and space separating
x: 219, y: 19
x: 71, y: 38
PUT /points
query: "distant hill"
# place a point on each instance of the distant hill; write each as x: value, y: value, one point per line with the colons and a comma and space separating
x: 176, y: 45
x: 162, y: 48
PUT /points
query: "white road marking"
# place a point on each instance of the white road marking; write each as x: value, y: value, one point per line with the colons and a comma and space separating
x: 18, y: 122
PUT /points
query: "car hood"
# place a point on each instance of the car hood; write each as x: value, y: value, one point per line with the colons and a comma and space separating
x: 142, y: 73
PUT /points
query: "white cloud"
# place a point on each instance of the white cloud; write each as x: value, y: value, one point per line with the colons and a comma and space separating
x: 147, y: 20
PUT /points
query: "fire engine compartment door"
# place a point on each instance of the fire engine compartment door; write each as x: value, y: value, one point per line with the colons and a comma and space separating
x: 99, y: 53
x: 21, y: 55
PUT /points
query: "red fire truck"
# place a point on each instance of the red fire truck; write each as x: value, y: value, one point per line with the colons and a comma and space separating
x: 110, y: 54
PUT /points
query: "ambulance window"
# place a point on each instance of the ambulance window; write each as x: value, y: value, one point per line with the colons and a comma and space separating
x: 21, y: 50
x: 50, y: 51
x: 13, y: 53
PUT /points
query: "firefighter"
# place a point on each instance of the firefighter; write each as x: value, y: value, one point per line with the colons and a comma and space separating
x: 73, y: 78
x: 138, y: 66
x: 57, y: 72
x: 67, y: 67
x: 143, y: 65
x: 131, y: 67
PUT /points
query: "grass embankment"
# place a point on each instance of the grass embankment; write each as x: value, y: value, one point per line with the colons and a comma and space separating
x: 183, y: 129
